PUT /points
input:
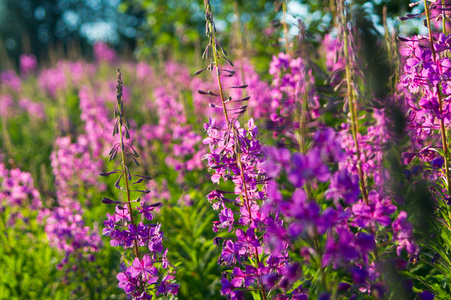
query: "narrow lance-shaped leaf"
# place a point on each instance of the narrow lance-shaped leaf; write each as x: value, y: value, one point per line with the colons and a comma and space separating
x: 109, y: 173
x: 113, y: 153
x: 200, y: 71
x: 133, y: 150
x: 118, y: 181
x: 134, y: 159
x: 143, y: 176
x: 138, y: 181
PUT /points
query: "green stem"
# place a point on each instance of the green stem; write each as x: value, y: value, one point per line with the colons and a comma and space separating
x: 221, y: 93
x: 353, y: 110
x: 354, y: 124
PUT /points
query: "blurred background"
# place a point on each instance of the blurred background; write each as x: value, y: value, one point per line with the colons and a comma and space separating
x: 150, y: 29
x: 57, y: 94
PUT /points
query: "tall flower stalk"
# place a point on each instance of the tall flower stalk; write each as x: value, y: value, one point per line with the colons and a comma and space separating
x: 351, y: 97
x: 120, y: 119
x: 439, y: 95
x: 427, y: 70
x: 140, y: 279
x: 236, y: 155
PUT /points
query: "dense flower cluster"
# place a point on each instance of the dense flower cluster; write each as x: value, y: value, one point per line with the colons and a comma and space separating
x: 236, y: 155
x: 183, y: 144
x: 74, y: 171
x: 429, y: 75
x: 292, y: 89
x: 74, y: 168
x: 370, y: 146
x: 94, y: 114
x: 66, y: 231
x: 18, y: 194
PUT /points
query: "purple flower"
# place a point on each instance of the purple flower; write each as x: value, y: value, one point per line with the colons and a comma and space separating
x: 344, y: 185
x: 306, y: 168
x: 145, y: 268
x: 127, y: 282
x: 365, y: 241
x: 226, y: 219
x: 359, y: 274
x: 403, y: 233
x: 167, y: 287
x: 325, y: 141
x: 437, y: 162
x: 109, y: 224
x: 239, y: 277
x: 426, y: 295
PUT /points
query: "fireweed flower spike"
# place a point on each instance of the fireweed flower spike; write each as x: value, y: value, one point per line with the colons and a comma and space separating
x: 141, y: 278
x: 427, y: 70
x: 235, y: 154
x: 351, y: 97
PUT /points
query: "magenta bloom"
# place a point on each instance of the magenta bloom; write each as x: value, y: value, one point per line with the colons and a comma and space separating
x: 145, y: 268
x: 126, y: 282
x: 308, y: 167
x: 344, y: 185
x: 28, y: 64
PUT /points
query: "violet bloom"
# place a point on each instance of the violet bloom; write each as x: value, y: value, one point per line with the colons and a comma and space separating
x: 227, y: 286
x: 341, y: 249
x: 231, y: 252
x: 291, y: 80
x: 276, y: 237
x: 403, y: 234
x: 127, y: 282
x: 438, y: 162
x: 17, y: 192
x: 53, y: 81
x: 359, y: 274
x: 241, y: 277
x: 365, y: 241
x: 332, y: 47
x: 426, y: 295
x: 306, y: 168
x: 326, y: 142
x: 225, y: 220
x: 255, y: 219
x: 66, y: 231
x: 167, y: 287
x: 344, y: 185
x: 145, y: 268
x: 378, y: 210
x: 278, y: 159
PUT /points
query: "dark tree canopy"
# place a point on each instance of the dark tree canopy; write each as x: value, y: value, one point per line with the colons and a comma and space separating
x: 162, y: 28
